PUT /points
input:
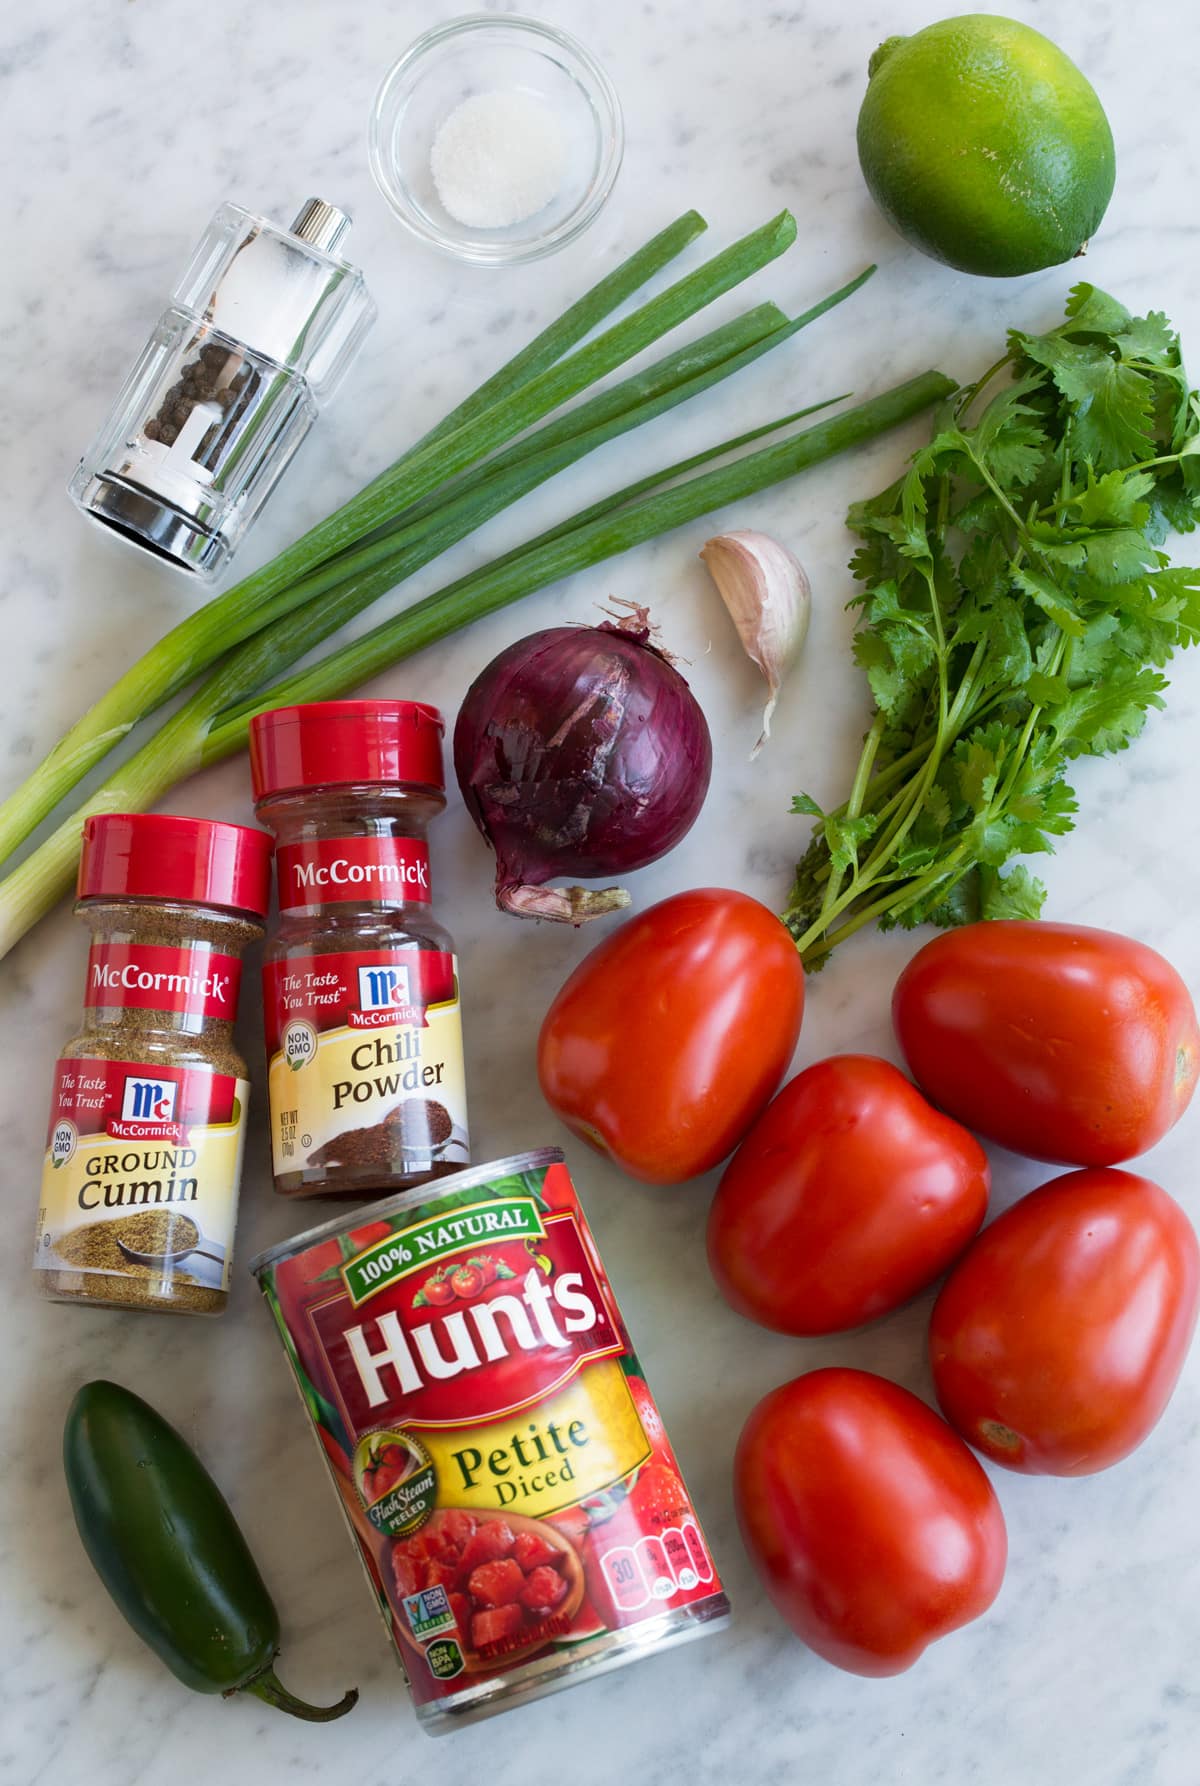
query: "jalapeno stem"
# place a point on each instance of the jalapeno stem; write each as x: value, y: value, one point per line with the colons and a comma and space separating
x: 270, y: 1689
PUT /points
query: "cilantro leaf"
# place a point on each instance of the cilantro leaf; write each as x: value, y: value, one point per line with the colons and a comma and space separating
x: 1013, y: 895
x: 1093, y: 312
x: 1015, y: 611
x: 1010, y: 435
x: 1112, y: 403
x: 1104, y: 716
x: 1115, y: 500
x: 1150, y: 338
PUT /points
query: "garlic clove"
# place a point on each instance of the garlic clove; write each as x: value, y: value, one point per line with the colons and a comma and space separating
x: 767, y: 593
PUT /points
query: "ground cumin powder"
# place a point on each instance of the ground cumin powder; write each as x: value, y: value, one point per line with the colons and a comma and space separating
x: 154, y: 1232
x: 153, y: 1074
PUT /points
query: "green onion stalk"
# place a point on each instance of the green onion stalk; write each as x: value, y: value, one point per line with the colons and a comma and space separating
x: 214, y: 722
x: 538, y: 381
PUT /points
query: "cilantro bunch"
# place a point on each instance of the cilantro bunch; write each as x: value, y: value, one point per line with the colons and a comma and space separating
x: 1016, y: 612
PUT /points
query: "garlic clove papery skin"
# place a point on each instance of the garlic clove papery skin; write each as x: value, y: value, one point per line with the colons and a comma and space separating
x: 767, y: 593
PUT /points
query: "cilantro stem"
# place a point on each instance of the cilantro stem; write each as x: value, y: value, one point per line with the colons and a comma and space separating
x: 853, y: 806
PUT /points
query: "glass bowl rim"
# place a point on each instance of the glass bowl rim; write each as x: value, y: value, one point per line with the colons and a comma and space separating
x: 605, y: 106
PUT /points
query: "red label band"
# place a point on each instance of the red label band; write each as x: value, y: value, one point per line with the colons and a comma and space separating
x: 132, y: 1101
x: 152, y: 977
x: 380, y: 870
x: 515, y: 1341
x: 363, y: 989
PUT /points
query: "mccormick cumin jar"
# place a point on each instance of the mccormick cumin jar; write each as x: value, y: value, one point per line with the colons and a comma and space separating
x: 360, y: 984
x: 147, y: 1124
x: 498, y: 1455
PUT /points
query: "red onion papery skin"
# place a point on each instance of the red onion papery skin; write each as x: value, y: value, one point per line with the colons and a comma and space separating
x: 580, y: 751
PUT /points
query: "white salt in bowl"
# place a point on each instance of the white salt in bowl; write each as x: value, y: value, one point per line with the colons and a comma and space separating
x: 571, y: 104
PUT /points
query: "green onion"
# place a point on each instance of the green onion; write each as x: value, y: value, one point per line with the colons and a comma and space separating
x: 534, y: 383
x: 575, y: 323
x: 204, y: 730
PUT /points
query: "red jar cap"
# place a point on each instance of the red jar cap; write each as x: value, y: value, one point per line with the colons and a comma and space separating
x: 138, y: 855
x: 333, y: 743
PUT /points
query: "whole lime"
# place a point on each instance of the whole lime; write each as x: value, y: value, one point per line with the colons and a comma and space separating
x: 985, y: 146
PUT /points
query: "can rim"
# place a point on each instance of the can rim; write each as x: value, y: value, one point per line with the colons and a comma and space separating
x: 431, y: 1192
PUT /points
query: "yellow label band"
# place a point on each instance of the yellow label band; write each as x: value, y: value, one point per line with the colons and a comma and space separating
x: 346, y: 1082
x: 547, y: 1457
x: 157, y: 1197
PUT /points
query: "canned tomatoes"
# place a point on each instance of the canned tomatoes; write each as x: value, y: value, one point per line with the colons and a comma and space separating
x: 498, y: 1455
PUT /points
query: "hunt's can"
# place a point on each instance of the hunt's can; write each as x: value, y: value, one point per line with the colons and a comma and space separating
x: 499, y: 1458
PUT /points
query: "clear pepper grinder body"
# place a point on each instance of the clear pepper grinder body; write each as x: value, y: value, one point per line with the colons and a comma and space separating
x: 260, y: 330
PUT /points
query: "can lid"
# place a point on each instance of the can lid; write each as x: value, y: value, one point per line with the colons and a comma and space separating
x: 138, y: 855
x: 335, y: 743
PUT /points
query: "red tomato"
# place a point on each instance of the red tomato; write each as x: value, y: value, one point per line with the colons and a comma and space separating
x: 669, y: 1038
x: 466, y: 1281
x: 438, y: 1290
x: 874, y: 1529
x: 849, y: 1195
x: 1064, y: 1043
x: 1058, y: 1338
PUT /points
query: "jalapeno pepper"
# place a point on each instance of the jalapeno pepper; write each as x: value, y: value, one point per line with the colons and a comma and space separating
x: 166, y: 1546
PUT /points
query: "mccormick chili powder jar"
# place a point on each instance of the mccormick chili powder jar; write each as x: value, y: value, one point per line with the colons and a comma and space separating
x: 364, y: 1037
x: 144, y: 1154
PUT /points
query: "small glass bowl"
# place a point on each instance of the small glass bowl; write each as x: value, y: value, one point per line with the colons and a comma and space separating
x: 481, y: 53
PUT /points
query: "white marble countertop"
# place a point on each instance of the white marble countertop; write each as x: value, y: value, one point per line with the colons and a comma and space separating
x: 122, y: 125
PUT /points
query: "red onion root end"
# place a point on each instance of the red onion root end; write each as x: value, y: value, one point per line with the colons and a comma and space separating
x: 563, y: 905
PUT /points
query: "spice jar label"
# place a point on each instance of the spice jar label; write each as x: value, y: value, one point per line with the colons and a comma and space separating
x: 366, y: 1061
x: 142, y: 1160
x: 386, y: 870
x: 199, y: 982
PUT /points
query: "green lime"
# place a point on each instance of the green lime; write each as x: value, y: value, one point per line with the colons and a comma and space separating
x: 985, y: 146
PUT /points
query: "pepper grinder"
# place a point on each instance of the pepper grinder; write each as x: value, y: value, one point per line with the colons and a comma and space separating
x: 260, y: 330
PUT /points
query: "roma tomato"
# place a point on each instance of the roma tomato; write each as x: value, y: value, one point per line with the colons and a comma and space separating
x: 670, y: 1037
x: 873, y: 1528
x: 1068, y: 1044
x: 849, y: 1195
x: 1058, y: 1338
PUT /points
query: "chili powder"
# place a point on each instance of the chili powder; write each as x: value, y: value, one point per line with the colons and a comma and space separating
x: 360, y: 983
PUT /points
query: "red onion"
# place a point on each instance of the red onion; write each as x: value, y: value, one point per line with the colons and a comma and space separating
x: 580, y: 751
